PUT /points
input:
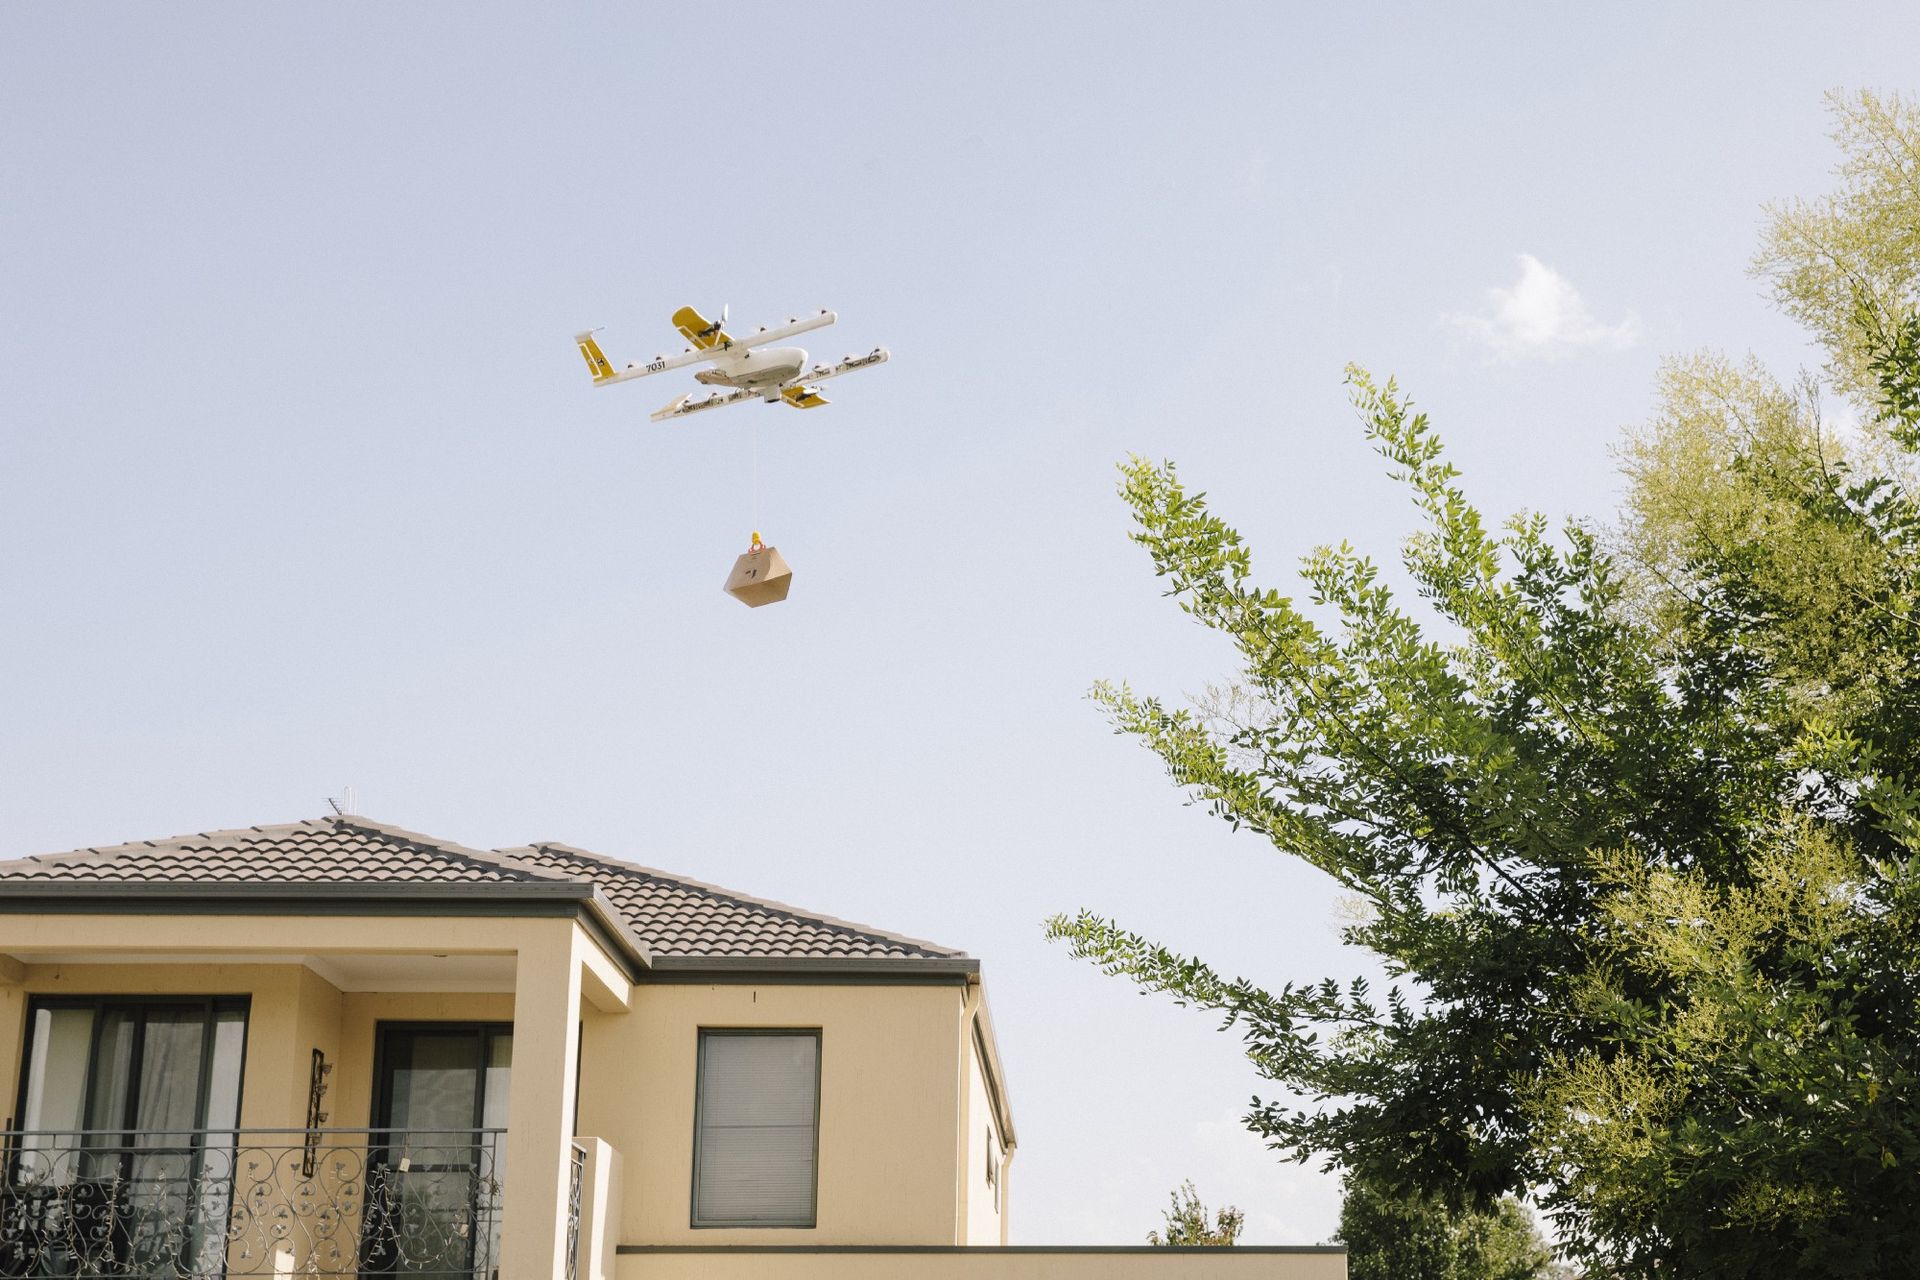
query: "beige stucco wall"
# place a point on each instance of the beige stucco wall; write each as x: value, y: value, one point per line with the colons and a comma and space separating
x: 890, y: 1092
x: 904, y: 1109
x: 293, y: 1010
x: 991, y: 1264
x: 985, y: 1204
x: 13, y: 1022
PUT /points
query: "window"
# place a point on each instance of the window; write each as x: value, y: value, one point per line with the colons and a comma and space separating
x: 756, y: 1128
x: 993, y: 1168
x: 132, y: 1066
x: 441, y: 1092
x: 129, y: 1104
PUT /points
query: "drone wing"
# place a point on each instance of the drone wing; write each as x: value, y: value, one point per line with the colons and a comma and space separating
x: 686, y: 404
x: 763, y: 335
x: 821, y: 372
x: 706, y: 336
x: 800, y: 393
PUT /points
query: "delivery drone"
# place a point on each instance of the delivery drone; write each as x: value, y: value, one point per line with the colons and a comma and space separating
x: 746, y: 364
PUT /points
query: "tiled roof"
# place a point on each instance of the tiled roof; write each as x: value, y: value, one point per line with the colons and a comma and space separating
x: 670, y: 916
x: 674, y: 916
x: 322, y: 850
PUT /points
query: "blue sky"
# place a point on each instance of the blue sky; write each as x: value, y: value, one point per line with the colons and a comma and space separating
x: 302, y: 484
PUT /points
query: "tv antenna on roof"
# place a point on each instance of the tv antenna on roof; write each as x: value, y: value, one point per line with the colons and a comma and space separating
x: 343, y: 806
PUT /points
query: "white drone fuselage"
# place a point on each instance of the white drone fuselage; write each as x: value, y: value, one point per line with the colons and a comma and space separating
x: 764, y: 369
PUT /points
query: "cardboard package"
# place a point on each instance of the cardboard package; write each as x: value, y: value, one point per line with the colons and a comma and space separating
x: 761, y: 576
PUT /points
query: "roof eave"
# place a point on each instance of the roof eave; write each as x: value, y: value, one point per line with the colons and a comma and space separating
x: 338, y: 897
x: 127, y: 891
x: 989, y: 1045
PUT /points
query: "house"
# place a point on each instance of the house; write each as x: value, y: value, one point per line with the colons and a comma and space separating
x: 338, y: 1048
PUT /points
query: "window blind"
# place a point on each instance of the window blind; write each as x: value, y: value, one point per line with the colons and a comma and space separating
x: 758, y: 1113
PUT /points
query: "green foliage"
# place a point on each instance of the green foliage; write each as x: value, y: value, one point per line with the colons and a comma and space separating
x: 1417, y: 1236
x: 1762, y: 1110
x: 1749, y: 520
x: 1753, y: 1099
x: 1858, y: 248
x: 1894, y: 353
x: 1633, y: 819
x: 1187, y: 1224
x: 1458, y: 787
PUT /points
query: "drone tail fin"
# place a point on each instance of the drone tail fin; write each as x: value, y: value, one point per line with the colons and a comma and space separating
x: 597, y: 362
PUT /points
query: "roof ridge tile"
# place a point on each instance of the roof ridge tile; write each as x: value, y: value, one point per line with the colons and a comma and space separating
x: 484, y: 857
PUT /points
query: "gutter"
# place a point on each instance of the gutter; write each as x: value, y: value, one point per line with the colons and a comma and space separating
x: 798, y: 968
x: 988, y: 1046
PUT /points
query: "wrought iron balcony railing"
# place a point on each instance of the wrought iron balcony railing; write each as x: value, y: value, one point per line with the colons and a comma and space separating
x: 208, y: 1204
x: 576, y: 1187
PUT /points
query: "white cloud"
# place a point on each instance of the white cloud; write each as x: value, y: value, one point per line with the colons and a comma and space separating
x: 1540, y: 316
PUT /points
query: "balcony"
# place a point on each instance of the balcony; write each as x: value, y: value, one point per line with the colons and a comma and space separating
x: 205, y: 1204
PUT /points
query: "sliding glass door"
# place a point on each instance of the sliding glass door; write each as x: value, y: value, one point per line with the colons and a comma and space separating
x: 436, y: 1180
x: 127, y: 1108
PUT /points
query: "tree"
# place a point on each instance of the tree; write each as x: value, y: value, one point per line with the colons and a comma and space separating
x: 1417, y: 1237
x: 1187, y: 1222
x: 1848, y: 265
x: 1761, y: 1115
x: 1764, y: 1107
x: 1459, y: 788
x: 1634, y: 816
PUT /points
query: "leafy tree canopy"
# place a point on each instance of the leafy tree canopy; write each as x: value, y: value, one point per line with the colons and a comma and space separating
x: 1848, y: 265
x: 1634, y: 815
x: 1186, y: 1221
x: 1416, y: 1237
